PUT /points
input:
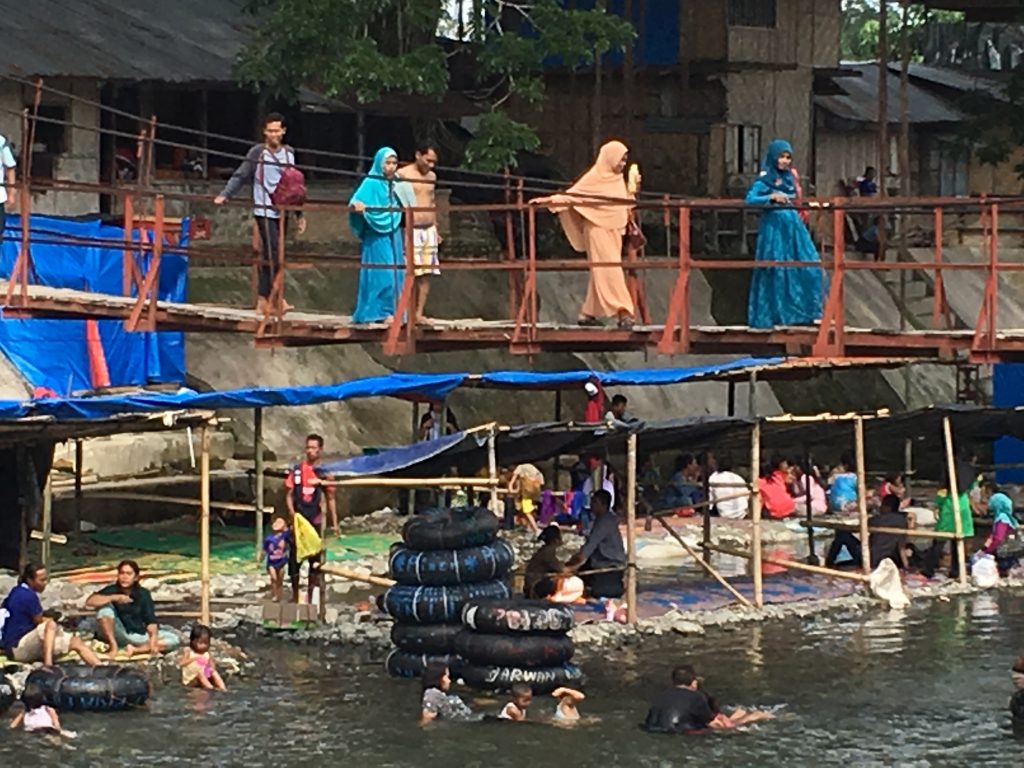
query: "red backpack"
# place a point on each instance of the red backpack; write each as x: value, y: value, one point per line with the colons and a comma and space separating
x: 291, y: 188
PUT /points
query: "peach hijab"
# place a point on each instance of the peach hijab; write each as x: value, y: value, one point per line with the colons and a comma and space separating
x: 602, y: 181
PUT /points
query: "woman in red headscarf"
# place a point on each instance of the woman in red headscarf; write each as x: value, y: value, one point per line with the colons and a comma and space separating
x: 594, y: 212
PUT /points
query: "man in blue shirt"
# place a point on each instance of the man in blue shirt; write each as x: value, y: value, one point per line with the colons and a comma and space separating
x: 26, y: 635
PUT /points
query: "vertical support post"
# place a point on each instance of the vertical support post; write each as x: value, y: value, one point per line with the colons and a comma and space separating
x: 954, y: 491
x: 812, y: 557
x: 204, y: 524
x: 752, y: 400
x: 631, y: 529
x: 883, y: 103
x: 319, y: 594
x: 411, y: 492
x: 492, y: 472
x: 862, y: 496
x: 731, y: 408
x: 257, y: 452
x: 908, y: 465
x: 558, y: 419
x: 47, y: 519
x: 79, y: 463
x: 939, y: 298
x: 755, y: 514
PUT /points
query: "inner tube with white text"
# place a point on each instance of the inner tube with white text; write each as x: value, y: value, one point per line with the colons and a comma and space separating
x: 448, y: 567
x: 517, y: 616
x: 541, y: 679
x: 438, y: 605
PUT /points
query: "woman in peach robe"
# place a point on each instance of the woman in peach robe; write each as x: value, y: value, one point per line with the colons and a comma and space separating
x: 597, y: 228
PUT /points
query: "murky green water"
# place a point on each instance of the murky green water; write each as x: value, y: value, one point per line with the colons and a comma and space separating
x: 926, y: 689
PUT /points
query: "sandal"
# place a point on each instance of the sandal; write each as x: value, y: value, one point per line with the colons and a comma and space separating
x: 626, y: 323
x: 589, y: 322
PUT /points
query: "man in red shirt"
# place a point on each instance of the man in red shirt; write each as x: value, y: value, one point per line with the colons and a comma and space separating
x: 308, y: 497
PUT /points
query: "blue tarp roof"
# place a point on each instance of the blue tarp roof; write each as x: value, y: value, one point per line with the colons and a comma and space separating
x: 411, y: 386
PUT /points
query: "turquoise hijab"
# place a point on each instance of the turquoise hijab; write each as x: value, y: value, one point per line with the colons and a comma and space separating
x: 375, y: 191
x: 1001, y: 507
x: 778, y: 181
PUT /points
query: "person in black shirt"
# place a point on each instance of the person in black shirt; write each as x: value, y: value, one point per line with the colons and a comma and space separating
x: 680, y: 709
x: 883, y: 545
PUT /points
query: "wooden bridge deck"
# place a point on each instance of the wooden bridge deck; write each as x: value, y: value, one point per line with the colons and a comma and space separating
x: 299, y: 328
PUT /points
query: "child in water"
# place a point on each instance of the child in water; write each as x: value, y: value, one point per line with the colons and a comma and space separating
x: 522, y: 695
x: 566, y: 710
x: 275, y: 547
x: 37, y: 717
x: 197, y: 666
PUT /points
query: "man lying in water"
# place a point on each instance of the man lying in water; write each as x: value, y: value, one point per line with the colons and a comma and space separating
x: 685, y: 708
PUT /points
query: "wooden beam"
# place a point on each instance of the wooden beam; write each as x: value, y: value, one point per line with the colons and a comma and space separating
x: 794, y: 564
x: 755, y: 514
x: 257, y: 446
x: 862, y: 496
x: 706, y: 565
x: 226, y: 506
x: 958, y: 525
x: 631, y: 529
x: 204, y: 525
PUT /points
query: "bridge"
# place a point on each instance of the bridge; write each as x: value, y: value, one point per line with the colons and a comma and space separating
x: 670, y: 274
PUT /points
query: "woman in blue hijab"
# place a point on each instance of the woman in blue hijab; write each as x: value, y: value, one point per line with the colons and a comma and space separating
x: 782, y: 295
x: 380, y: 232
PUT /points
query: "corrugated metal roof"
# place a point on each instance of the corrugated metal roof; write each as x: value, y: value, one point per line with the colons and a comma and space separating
x: 167, y: 40
x: 961, y: 80
x: 859, y: 100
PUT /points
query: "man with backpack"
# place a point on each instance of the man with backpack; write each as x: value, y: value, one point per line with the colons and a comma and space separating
x: 270, y: 167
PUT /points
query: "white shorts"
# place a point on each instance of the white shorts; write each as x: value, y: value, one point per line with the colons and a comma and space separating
x: 30, y: 647
x: 424, y: 255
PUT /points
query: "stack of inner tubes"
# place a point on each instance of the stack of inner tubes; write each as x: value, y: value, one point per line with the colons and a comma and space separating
x: 517, y: 641
x: 447, y: 558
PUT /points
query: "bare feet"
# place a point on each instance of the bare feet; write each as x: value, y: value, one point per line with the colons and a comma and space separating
x: 261, y: 306
x: 130, y: 650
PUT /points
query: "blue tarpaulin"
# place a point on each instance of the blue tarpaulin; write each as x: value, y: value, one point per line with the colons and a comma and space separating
x: 639, y: 377
x: 1008, y: 392
x: 54, y: 353
x: 410, y: 386
x: 397, y: 459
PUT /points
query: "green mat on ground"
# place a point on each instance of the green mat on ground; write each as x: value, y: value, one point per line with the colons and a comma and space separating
x: 231, y: 547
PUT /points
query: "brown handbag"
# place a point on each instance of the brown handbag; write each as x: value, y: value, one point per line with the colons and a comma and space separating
x: 635, y: 238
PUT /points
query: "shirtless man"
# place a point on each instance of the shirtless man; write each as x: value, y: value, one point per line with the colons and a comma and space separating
x: 425, y: 236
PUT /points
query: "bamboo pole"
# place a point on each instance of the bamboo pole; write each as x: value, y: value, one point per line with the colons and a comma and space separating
x: 204, y: 524
x: 47, y: 520
x: 257, y: 447
x: 958, y: 525
x: 631, y: 529
x: 862, y: 497
x: 347, y: 573
x: 755, y: 511
x: 908, y: 465
x: 706, y: 565
x: 79, y: 464
x: 224, y: 506
x: 492, y: 472
x: 411, y: 482
x: 920, y: 533
x: 794, y: 564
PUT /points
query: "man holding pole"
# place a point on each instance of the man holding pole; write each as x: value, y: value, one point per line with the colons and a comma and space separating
x: 309, y: 497
x: 602, y: 559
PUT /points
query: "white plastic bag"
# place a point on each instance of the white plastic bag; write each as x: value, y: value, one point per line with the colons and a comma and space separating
x: 984, y: 572
x: 887, y: 584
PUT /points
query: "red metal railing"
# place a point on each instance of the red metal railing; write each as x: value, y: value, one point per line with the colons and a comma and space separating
x: 144, y: 244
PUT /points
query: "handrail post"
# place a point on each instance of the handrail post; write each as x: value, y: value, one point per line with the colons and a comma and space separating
x: 939, y: 298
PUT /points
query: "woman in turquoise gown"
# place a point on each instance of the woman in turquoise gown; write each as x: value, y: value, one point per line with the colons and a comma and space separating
x: 782, y: 295
x: 380, y: 234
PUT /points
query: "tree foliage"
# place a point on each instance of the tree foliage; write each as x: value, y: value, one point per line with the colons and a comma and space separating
x: 363, y: 50
x: 859, y: 36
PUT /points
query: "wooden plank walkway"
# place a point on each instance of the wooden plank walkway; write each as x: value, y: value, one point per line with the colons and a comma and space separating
x: 299, y: 328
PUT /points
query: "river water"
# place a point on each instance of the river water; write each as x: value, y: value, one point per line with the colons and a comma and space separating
x: 927, y: 688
